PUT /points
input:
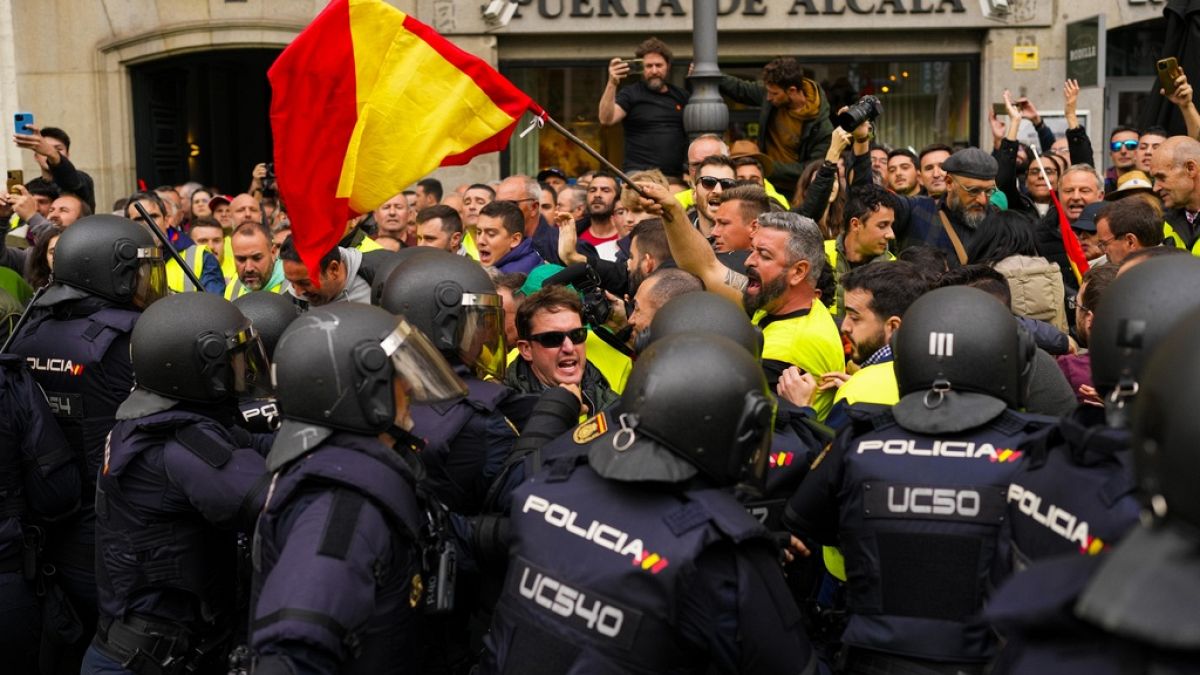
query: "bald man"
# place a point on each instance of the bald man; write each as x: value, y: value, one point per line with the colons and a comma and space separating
x: 526, y: 193
x: 1175, y: 168
x: 245, y: 209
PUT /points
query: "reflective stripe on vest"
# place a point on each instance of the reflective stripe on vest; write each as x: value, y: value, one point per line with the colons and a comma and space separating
x: 179, y: 282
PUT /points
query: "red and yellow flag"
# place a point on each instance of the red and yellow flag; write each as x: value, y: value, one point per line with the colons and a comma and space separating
x: 367, y: 100
x: 1078, y: 260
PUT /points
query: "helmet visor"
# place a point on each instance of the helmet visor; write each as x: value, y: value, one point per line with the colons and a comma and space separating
x: 151, y: 284
x: 430, y: 377
x: 251, y: 368
x: 481, y: 334
x: 758, y: 420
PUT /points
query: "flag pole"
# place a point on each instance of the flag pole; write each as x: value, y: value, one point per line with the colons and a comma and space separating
x: 595, y: 155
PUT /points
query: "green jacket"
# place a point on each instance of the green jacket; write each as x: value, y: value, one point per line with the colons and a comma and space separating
x: 813, y: 144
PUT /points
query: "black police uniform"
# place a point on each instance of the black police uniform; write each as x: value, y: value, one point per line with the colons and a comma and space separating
x: 1075, y: 491
x: 175, y: 488
x: 337, y: 561
x: 39, y: 480
x: 606, y: 576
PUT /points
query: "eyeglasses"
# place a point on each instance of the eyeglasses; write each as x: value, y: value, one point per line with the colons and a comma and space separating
x: 1129, y: 145
x: 974, y: 192
x: 554, y: 338
x: 1103, y: 243
x: 710, y: 182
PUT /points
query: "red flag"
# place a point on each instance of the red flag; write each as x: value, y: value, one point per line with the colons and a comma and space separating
x: 367, y: 100
x: 1079, y: 263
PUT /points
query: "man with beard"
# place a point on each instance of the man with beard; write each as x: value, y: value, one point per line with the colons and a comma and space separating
x: 715, y: 175
x: 603, y: 232
x: 780, y: 294
x: 652, y: 111
x: 258, y: 269
x: 648, y: 252
x: 902, y: 176
x: 947, y: 222
x: 654, y: 292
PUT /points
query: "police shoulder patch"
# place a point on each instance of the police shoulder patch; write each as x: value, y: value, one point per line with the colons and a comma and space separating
x: 590, y: 429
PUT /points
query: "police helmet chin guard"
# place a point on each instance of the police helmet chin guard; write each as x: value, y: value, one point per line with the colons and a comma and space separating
x: 676, y: 421
x: 453, y: 302
x: 198, y: 347
x: 1133, y: 317
x: 114, y: 258
x: 1165, y: 428
x: 339, y: 367
x: 961, y: 359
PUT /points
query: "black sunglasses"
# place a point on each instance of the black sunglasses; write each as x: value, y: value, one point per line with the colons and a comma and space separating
x: 554, y: 338
x: 1129, y: 145
x: 710, y: 182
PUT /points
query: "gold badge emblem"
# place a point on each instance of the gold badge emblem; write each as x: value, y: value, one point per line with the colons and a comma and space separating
x: 414, y: 596
x: 590, y: 429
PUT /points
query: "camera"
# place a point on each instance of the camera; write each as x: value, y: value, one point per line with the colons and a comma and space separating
x: 270, y: 188
x: 596, y: 308
x: 867, y: 109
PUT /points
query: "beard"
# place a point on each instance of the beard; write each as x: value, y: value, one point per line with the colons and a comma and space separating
x: 861, y: 351
x: 767, y: 293
x: 636, y: 277
x: 969, y: 217
x: 654, y: 83
x: 602, y: 210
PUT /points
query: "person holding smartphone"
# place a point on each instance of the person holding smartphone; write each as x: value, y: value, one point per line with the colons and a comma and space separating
x: 52, y: 148
x: 651, y: 111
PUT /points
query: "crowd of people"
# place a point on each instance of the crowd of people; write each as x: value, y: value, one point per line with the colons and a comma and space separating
x: 804, y: 403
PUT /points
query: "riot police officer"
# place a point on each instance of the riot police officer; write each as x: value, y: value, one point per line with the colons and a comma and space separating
x: 633, y: 555
x: 453, y: 301
x: 915, y: 495
x: 270, y: 314
x: 179, y: 479
x: 76, y: 342
x: 338, y: 581
x: 39, y: 480
x: 1132, y: 610
x: 1075, y: 491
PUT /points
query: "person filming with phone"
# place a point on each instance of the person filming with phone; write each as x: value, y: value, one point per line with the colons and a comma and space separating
x: 651, y: 110
x: 52, y: 149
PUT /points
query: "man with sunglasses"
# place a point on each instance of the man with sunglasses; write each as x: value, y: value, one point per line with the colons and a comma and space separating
x: 1122, y: 150
x: 552, y: 339
x: 178, y: 480
x: 714, y: 175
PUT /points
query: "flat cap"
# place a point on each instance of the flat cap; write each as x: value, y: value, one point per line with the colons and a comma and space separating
x: 972, y: 163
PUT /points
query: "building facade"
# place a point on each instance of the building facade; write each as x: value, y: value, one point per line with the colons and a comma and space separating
x: 164, y: 91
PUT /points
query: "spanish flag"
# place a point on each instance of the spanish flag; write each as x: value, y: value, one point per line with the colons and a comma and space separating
x: 367, y: 100
x: 1074, y: 249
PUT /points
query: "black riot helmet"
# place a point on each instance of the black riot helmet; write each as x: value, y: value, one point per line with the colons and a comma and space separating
x: 112, y: 257
x: 454, y: 302
x: 269, y: 313
x: 694, y: 404
x: 702, y: 312
x: 1137, y: 311
x: 961, y: 359
x: 381, y: 262
x: 197, y: 347
x: 1165, y: 425
x: 335, y: 367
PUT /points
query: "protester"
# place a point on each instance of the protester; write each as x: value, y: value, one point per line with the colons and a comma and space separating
x: 650, y: 111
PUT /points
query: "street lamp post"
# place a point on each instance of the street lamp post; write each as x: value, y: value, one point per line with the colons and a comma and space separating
x: 706, y: 111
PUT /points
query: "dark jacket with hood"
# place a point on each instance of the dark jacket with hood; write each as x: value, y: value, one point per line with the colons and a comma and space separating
x: 597, y: 393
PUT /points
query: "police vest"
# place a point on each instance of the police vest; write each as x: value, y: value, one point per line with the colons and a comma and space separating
x: 236, y: 289
x: 357, y: 470
x: 179, y: 282
x: 72, y: 361
x: 452, y: 466
x: 920, y: 529
x: 597, y: 572
x: 795, y: 444
x: 143, y: 547
x: 873, y: 384
x: 1075, y: 493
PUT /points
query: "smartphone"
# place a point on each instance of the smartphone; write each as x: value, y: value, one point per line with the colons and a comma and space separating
x: 15, y: 177
x: 1000, y: 109
x: 1168, y: 72
x: 635, y: 66
x: 21, y: 122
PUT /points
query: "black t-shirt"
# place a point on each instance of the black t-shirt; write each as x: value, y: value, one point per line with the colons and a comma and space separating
x: 654, y: 134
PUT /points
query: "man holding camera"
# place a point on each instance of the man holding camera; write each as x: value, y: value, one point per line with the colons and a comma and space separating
x: 652, y: 111
x: 794, y: 118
